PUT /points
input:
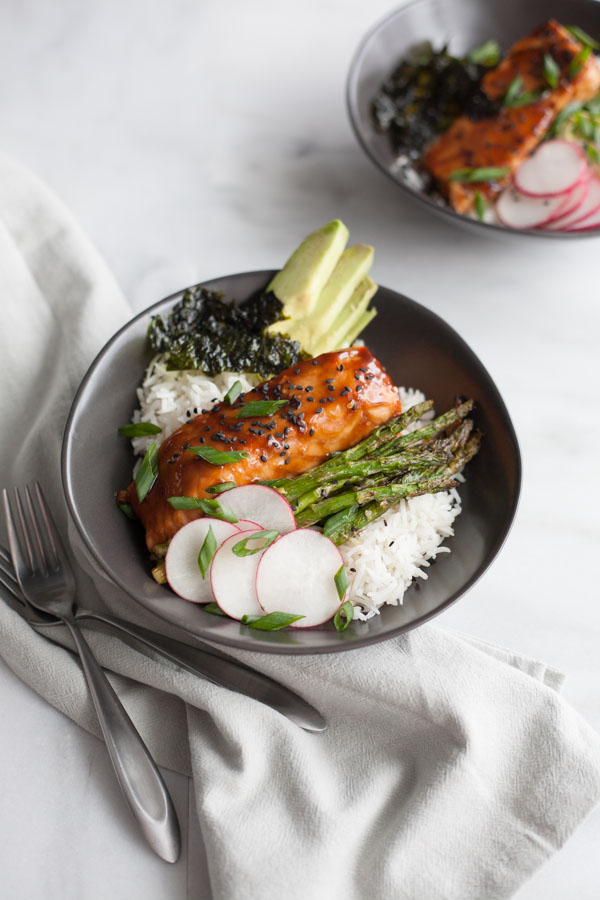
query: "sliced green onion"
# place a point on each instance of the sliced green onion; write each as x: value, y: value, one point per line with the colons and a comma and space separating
x: 209, y: 507
x: 585, y: 126
x: 214, y: 609
x: 578, y: 61
x: 582, y: 36
x: 233, y: 393
x: 266, y: 537
x: 486, y: 54
x: 489, y: 173
x: 207, y: 551
x: 127, y: 510
x: 551, y: 70
x: 568, y: 111
x: 221, y: 487
x: 593, y: 105
x: 343, y: 616
x: 139, y: 429
x: 271, y: 622
x: 480, y: 206
x: 514, y: 89
x: 260, y: 408
x: 147, y: 472
x: 341, y: 581
x: 593, y: 154
x: 218, y: 457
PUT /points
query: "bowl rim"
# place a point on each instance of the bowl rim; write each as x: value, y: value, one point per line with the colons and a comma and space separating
x: 356, y: 121
x: 266, y: 646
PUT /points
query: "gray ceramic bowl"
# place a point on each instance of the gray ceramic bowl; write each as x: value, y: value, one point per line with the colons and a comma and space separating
x: 418, y: 348
x: 462, y: 24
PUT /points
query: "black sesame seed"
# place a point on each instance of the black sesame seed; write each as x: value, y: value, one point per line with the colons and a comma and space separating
x: 385, y: 522
x: 329, y: 380
x: 331, y: 387
x: 345, y: 391
x: 263, y: 458
x: 353, y: 570
x: 340, y: 368
x: 322, y: 399
x: 310, y: 399
x: 283, y: 452
x: 286, y: 461
x: 309, y: 388
x: 298, y: 371
x: 331, y: 399
x: 187, y: 446
x: 314, y: 362
x: 278, y: 434
x: 286, y: 446
x: 188, y: 413
x: 391, y: 543
x: 241, y: 441
x: 359, y: 388
x: 311, y: 432
x: 320, y: 409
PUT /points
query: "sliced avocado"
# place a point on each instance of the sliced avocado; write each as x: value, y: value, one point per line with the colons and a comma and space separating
x: 344, y: 329
x: 353, y: 265
x: 359, y: 327
x: 308, y: 269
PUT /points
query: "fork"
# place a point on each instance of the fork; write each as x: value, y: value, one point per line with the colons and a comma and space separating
x: 45, y: 576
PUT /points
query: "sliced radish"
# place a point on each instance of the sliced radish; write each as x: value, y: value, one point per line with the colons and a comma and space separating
x: 263, y: 505
x: 573, y: 200
x: 296, y: 575
x: 181, y: 562
x: 589, y: 206
x: 590, y: 223
x: 233, y: 578
x: 515, y: 210
x: 555, y: 167
x: 248, y: 525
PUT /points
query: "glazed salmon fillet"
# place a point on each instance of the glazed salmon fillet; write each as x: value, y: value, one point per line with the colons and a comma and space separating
x: 506, y: 139
x: 332, y: 402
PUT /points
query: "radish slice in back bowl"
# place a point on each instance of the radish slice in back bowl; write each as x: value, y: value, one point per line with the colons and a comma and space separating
x: 296, y: 575
x: 589, y: 206
x: 515, y: 210
x: 555, y: 167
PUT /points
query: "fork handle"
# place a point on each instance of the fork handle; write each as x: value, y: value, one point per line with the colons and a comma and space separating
x: 136, y: 771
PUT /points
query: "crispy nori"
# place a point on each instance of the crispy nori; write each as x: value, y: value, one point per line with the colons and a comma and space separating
x: 424, y: 94
x: 202, y: 331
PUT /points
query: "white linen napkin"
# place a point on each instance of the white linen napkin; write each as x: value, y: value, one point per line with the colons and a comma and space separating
x: 451, y: 768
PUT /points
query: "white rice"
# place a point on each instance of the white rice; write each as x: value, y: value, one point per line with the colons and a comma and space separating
x: 386, y: 556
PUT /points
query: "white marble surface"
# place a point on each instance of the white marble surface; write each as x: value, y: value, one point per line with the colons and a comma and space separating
x: 193, y: 139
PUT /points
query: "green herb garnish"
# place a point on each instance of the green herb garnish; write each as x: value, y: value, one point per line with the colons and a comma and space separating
x: 514, y: 89
x: 341, y: 581
x: 139, y: 429
x: 214, y: 609
x: 578, y: 61
x: 480, y: 206
x: 593, y: 154
x: 343, y: 616
x: 260, y: 408
x: 486, y: 54
x: 127, y: 510
x: 489, y: 173
x: 271, y: 622
x: 233, y: 393
x: 221, y: 487
x: 207, y: 551
x: 218, y: 457
x: 583, y: 37
x: 266, y: 537
x: 211, y: 508
x: 147, y: 472
x: 584, y: 125
x: 551, y: 70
